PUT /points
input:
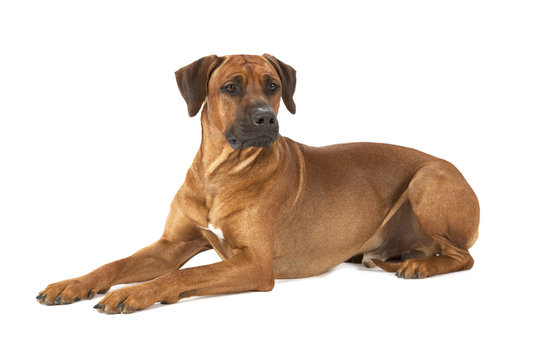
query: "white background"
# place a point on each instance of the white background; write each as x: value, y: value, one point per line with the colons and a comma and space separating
x: 95, y: 140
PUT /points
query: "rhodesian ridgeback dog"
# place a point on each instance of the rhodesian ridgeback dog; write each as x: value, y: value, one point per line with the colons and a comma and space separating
x: 273, y: 208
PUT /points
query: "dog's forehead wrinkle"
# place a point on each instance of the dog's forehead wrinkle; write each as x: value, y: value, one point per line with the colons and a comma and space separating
x: 249, y: 62
x: 246, y: 63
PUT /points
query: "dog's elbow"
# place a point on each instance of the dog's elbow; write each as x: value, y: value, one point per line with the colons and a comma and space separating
x: 262, y: 277
x: 260, y: 274
x: 266, y: 283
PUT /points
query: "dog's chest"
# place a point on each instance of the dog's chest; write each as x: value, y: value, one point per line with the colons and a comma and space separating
x: 216, y: 231
x: 217, y: 240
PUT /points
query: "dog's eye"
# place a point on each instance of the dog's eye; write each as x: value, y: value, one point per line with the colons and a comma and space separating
x: 231, y: 88
x: 272, y: 87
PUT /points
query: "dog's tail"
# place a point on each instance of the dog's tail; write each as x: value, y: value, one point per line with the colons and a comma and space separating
x: 390, y: 267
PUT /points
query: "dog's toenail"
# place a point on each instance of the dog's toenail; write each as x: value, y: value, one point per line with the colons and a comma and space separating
x: 58, y: 300
x: 120, y: 307
x: 91, y: 294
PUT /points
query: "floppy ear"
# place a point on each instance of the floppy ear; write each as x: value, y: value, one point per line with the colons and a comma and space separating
x: 288, y: 81
x: 193, y: 79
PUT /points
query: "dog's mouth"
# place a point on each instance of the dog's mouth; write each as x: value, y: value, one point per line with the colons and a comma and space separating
x: 262, y: 141
x: 239, y: 138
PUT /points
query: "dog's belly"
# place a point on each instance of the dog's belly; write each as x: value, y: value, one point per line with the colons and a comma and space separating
x: 301, y: 265
x: 319, y: 235
x: 313, y: 252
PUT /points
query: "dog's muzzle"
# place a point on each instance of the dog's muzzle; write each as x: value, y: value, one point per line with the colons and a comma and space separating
x: 258, y: 129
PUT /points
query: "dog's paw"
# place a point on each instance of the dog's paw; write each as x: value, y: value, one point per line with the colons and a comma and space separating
x: 133, y: 298
x: 416, y: 269
x: 68, y: 291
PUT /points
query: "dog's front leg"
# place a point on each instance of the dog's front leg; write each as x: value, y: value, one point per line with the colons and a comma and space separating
x: 181, y: 240
x: 245, y: 271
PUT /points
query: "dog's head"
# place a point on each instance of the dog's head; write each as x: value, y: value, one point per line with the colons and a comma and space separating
x: 243, y: 94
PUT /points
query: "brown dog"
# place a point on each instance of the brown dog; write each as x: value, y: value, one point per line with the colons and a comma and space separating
x: 273, y: 208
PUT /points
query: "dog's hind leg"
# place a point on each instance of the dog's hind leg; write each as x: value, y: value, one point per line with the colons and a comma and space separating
x: 447, y: 211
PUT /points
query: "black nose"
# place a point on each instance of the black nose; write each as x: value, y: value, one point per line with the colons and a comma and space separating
x: 264, y: 118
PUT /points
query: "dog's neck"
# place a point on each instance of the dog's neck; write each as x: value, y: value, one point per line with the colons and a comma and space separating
x: 218, y: 172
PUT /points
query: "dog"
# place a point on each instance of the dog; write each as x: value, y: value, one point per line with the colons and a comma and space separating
x: 273, y: 208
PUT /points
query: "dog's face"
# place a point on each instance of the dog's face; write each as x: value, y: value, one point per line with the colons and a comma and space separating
x: 243, y: 101
x: 243, y: 94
